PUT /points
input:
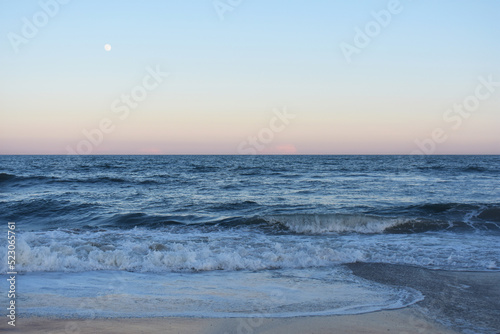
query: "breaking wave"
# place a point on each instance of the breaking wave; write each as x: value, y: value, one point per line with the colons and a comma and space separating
x: 160, y: 250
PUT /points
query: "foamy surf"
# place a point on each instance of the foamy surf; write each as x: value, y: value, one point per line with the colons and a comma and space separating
x: 161, y: 250
x: 278, y: 293
x: 188, y: 234
x: 339, y: 223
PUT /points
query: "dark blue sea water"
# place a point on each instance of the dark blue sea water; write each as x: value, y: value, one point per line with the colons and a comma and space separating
x: 240, y: 235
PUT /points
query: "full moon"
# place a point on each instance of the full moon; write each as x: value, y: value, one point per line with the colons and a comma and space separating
x: 107, y: 47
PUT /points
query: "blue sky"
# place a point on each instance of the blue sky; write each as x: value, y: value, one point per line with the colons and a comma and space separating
x: 227, y: 76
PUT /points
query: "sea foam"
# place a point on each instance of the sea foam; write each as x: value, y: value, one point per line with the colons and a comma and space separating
x: 147, y: 250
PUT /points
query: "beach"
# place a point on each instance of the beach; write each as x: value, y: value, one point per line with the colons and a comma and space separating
x: 465, y: 301
x: 455, y: 302
x: 406, y: 321
x: 268, y: 244
x: 250, y: 167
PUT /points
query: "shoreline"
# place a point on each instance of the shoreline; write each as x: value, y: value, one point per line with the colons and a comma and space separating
x: 455, y: 302
x: 400, y: 321
x: 461, y: 300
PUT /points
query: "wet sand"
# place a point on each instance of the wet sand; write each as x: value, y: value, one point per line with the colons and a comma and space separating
x: 455, y: 302
x: 464, y: 301
x: 405, y: 321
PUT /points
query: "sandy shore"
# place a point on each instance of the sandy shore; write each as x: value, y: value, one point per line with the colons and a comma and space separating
x: 468, y: 302
x: 405, y: 321
x: 455, y: 302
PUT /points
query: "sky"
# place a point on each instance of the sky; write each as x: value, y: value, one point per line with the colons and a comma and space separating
x: 249, y: 77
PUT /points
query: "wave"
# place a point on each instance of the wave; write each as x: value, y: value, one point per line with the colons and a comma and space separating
x: 6, y: 177
x: 11, y: 178
x: 459, y: 169
x: 160, y: 250
x: 441, y: 211
x: 449, y: 217
x: 139, y: 219
x: 478, y: 169
x: 34, y: 179
x: 365, y: 224
x: 294, y: 223
x: 238, y: 205
x: 204, y: 169
x: 439, y: 207
x: 151, y: 251
x: 108, y: 166
x: 339, y: 223
x: 486, y: 219
x: 431, y: 168
x: 50, y: 208
x: 91, y: 180
x: 102, y: 179
x: 491, y: 214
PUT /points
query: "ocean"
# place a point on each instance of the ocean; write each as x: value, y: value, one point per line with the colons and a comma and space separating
x: 239, y: 236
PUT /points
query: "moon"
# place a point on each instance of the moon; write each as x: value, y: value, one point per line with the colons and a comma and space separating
x: 107, y: 47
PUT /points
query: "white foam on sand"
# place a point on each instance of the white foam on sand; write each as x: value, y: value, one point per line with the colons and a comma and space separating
x: 279, y: 293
